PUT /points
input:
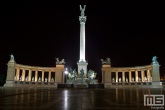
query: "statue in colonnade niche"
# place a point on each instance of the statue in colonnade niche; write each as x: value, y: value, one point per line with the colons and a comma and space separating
x: 126, y: 79
x: 133, y: 79
x: 39, y: 79
x: 20, y: 78
x: 52, y: 79
x: 46, y: 79
x: 145, y: 79
x: 32, y: 79
x: 26, y: 78
x: 119, y: 79
x: 113, y: 79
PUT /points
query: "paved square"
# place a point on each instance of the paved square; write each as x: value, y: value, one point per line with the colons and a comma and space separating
x: 74, y: 99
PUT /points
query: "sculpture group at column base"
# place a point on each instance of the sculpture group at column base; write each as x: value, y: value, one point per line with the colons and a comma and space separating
x: 9, y: 84
x: 82, y: 81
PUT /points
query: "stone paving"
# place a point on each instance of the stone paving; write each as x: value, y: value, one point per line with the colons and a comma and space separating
x: 74, y: 99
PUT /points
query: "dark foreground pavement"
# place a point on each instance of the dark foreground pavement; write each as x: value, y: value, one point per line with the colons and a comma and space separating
x: 75, y: 99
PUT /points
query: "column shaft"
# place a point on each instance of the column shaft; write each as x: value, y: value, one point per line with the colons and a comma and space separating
x: 29, y: 75
x: 123, y: 76
x: 130, y: 76
x: 142, y: 74
x: 49, y: 78
x: 136, y: 76
x: 36, y: 76
x: 17, y: 74
x: 23, y: 75
x: 42, y: 76
x: 148, y: 76
x: 116, y: 76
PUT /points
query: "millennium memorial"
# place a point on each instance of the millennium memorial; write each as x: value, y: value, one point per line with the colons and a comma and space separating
x: 20, y: 75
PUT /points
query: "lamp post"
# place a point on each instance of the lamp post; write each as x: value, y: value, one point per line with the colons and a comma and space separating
x: 66, y: 73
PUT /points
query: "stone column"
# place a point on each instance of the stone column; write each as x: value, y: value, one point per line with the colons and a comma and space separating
x: 142, y: 75
x: 42, y: 76
x: 130, y: 76
x: 123, y: 76
x: 29, y: 75
x: 148, y: 75
x: 82, y: 64
x: 116, y: 76
x: 17, y: 74
x: 23, y: 74
x: 36, y: 76
x: 136, y: 76
x: 10, y: 74
x: 49, y: 77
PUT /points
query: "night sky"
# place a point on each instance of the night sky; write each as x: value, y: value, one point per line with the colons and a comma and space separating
x: 130, y: 33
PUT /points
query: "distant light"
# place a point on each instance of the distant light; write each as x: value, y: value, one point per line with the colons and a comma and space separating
x: 66, y: 71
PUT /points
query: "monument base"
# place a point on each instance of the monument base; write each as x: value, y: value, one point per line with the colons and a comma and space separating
x: 82, y: 65
x: 82, y: 81
x: 80, y: 85
x: 156, y: 85
x: 9, y: 84
x: 107, y: 85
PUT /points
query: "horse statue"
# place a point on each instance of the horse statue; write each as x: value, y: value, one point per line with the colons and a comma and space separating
x: 107, y: 61
x: 91, y: 74
x: 72, y: 74
x: 60, y: 62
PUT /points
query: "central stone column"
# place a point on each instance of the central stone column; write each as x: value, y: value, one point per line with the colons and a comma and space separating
x: 82, y: 64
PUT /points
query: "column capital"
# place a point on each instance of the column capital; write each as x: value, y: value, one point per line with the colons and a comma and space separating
x: 82, y: 19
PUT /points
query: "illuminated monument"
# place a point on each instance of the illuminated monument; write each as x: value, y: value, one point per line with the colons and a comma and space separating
x: 82, y: 64
x: 19, y: 75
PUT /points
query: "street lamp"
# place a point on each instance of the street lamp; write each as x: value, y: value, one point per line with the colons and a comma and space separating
x: 66, y: 73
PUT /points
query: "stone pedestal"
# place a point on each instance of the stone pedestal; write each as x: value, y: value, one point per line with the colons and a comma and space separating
x: 155, y: 74
x: 10, y: 74
x: 82, y: 65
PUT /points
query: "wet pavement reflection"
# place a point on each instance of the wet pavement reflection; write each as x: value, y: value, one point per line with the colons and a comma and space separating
x: 74, y: 99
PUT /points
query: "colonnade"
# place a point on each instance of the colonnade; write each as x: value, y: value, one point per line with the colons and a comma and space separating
x: 142, y: 77
x: 39, y: 74
x: 126, y: 74
x: 29, y: 77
